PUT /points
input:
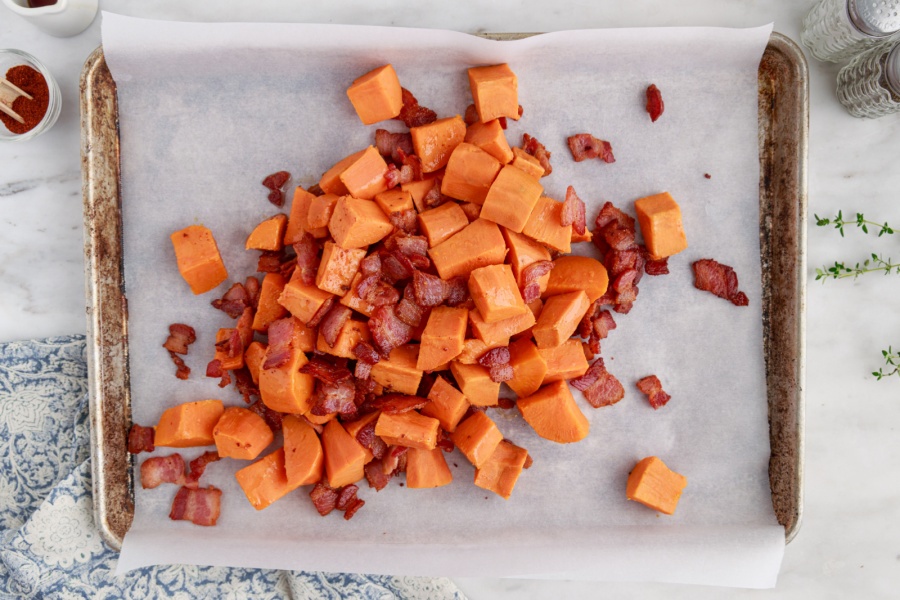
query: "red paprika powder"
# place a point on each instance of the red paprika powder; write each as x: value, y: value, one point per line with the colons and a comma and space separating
x: 32, y: 111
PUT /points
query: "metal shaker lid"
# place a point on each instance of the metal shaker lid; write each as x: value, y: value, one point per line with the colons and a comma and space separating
x: 877, y: 18
x: 892, y: 69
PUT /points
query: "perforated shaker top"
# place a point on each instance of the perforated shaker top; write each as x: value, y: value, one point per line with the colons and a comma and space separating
x: 875, y: 17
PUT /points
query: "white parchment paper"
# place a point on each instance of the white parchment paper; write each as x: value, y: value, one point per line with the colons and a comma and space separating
x: 206, y: 110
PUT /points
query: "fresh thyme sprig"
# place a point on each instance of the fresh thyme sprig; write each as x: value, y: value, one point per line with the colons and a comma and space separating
x: 860, y: 221
x: 870, y: 265
x: 891, y: 359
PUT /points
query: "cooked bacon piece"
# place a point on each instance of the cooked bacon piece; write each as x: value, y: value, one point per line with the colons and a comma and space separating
x: 531, y: 292
x: 331, y: 325
x: 412, y: 165
x: 326, y: 371
x: 396, y: 266
x: 409, y: 245
x: 536, y: 270
x: 603, y: 323
x: 721, y: 280
x: 276, y: 181
x: 214, y: 369
x: 573, y: 211
x: 243, y: 381
x: 370, y: 266
x: 410, y: 313
x: 584, y: 146
x: 330, y: 398
x: 362, y: 370
x: 619, y: 261
x: 429, y: 290
x: 655, y: 106
x: 412, y: 114
x: 276, y: 197
x: 232, y: 345
x: 652, y: 387
x: 233, y: 303
x: 271, y: 417
x: 375, y: 475
x: 624, y: 281
x: 405, y: 220
x: 433, y: 197
x: 655, y: 266
x: 389, y: 143
x: 388, y: 331
x: 444, y: 442
x: 395, y: 404
x: 198, y: 466
x: 270, y: 261
x: 609, y: 213
x: 346, y: 496
x: 599, y: 386
x: 244, y: 328
x: 324, y: 498
x: 162, y: 469
x: 365, y: 353
x: 618, y: 238
x: 501, y: 372
x: 379, y: 293
x: 307, y: 251
x: 252, y: 286
x: 281, y: 334
x: 200, y: 506
x: 495, y: 356
x: 537, y: 150
x: 528, y: 461
x: 182, y: 371
x: 471, y: 115
x: 457, y: 291
x: 180, y: 337
x: 395, y: 460
x: 367, y: 439
x: 320, y: 314
x: 140, y: 439
x: 352, y: 508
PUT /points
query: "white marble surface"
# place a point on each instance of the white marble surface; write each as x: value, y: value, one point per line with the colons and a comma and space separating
x: 849, y: 543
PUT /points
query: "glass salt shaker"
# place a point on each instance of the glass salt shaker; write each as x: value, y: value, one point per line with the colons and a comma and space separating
x: 870, y: 85
x: 835, y: 30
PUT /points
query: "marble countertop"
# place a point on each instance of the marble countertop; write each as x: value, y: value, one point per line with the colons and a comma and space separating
x: 849, y: 542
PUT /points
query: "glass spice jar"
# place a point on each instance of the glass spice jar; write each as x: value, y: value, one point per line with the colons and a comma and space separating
x: 870, y: 85
x: 835, y: 30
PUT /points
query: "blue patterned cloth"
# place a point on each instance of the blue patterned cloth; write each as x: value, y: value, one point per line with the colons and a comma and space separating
x: 49, y: 546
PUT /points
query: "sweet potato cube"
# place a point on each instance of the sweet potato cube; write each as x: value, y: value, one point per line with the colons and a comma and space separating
x: 354, y: 427
x: 304, y: 458
x: 446, y: 404
x: 554, y: 415
x: 426, y: 469
x: 284, y: 388
x: 529, y: 368
x: 345, y: 458
x: 433, y: 143
x: 189, y: 424
x: 472, y: 350
x: 352, y: 300
x: 491, y: 138
x: 376, y: 96
x: 560, y: 317
x: 535, y: 307
x: 501, y: 471
x: 660, y: 219
x: 495, y: 92
x: 545, y: 225
x: 524, y: 251
x: 265, y: 481
x: 304, y: 336
x: 269, y: 309
x: 254, y: 356
x: 364, y: 177
x: 319, y: 420
x: 320, y: 210
x: 229, y: 363
x: 241, y: 433
x: 351, y: 333
x: 268, y: 235
x: 331, y: 180
x: 337, y: 268
x: 573, y: 273
x: 395, y: 200
x: 418, y: 189
x: 297, y: 222
x: 301, y: 300
x: 408, y: 429
x: 653, y: 484
x: 475, y: 382
x: 496, y: 294
x: 198, y: 258
x: 357, y: 223
x: 442, y: 338
x: 477, y: 437
x: 512, y: 198
x: 399, y: 372
x: 527, y: 163
x: 438, y: 224
x: 478, y: 244
x: 586, y: 237
x: 498, y: 333
x: 565, y: 361
x: 469, y: 174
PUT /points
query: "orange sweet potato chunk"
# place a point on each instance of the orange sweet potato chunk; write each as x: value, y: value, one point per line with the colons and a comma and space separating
x: 304, y: 458
x: 198, y: 258
x: 565, y: 361
x: 478, y: 244
x: 337, y: 268
x: 352, y: 300
x: 529, y: 368
x: 354, y: 427
x: 320, y: 211
x: 268, y: 235
x: 495, y: 92
x: 229, y: 363
x: 554, y: 415
x: 475, y: 382
x: 345, y: 458
x: 408, y: 429
x: 660, y: 219
x: 356, y: 223
x: 653, y: 484
x: 491, y: 138
x: 265, y: 481
x: 241, y: 433
x: 433, y: 143
x: 352, y: 332
x: 284, y: 388
x: 331, y: 180
x: 498, y: 333
x: 297, y: 222
x: 376, y: 96
x: 189, y: 424
x: 269, y: 309
x: 446, y: 404
x: 438, y: 224
x: 469, y: 174
x: 496, y: 294
x: 395, y: 200
x: 364, y: 177
x: 573, y: 273
x: 512, y: 198
x: 442, y: 338
x: 545, y: 225
x: 559, y: 318
x: 477, y: 437
x: 524, y: 251
x: 527, y: 163
x: 418, y: 189
x: 426, y: 469
x: 399, y: 372
x: 301, y: 300
x: 501, y: 471
x: 254, y: 356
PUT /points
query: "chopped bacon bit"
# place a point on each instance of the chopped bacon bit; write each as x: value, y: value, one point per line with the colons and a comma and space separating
x: 235, y: 300
x: 331, y: 325
x: 270, y: 261
x: 501, y: 372
x: 429, y: 290
x: 375, y: 476
x: 721, y: 280
x: 624, y: 281
x: 388, y: 331
x: 457, y: 291
x: 271, y: 417
x: 392, y: 176
x: 378, y: 293
x: 140, y: 439
x: 609, y: 213
x: 346, y: 496
x: 276, y: 197
x: 214, y: 369
x: 410, y: 313
x: 531, y: 292
x: 307, y: 259
x: 410, y: 245
x: 405, y: 220
x: 232, y: 345
x: 573, y: 212
x: 276, y: 181
x: 244, y: 328
x: 362, y: 370
x: 351, y: 510
x: 652, y: 387
x: 182, y: 371
x: 617, y: 238
x: 389, y: 143
x: 536, y: 270
x: 180, y: 337
x: 320, y: 314
x: 537, y: 150
x: 326, y: 371
x: 444, y: 442
x: 472, y: 210
x: 162, y: 469
x: 655, y: 106
x: 528, y: 461
x: 396, y: 266
x: 371, y: 265
x: 198, y: 466
x: 506, y: 403
x: 618, y: 261
x: 412, y: 114
x: 471, y: 115
x: 395, y: 460
x: 395, y: 404
x: 330, y: 398
x: 656, y: 266
x: 603, y: 323
x: 584, y: 146
x: 412, y: 166
x: 252, y: 286
x: 707, y: 175
x: 281, y: 333
x: 365, y: 353
x: 243, y: 381
x: 433, y: 197
x: 599, y: 386
x: 495, y: 356
x: 324, y: 498
x: 200, y: 506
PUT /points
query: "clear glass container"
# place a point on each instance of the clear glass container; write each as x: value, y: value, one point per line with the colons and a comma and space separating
x: 12, y: 58
x: 870, y: 85
x: 835, y: 30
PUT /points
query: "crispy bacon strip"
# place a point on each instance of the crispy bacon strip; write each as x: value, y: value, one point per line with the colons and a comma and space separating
x: 252, y: 286
x: 429, y: 290
x: 307, y: 251
x: 180, y: 337
x: 326, y: 371
x: 331, y: 325
x: 389, y: 144
x: 599, y: 386
x: 330, y: 398
x: 584, y: 146
x: 281, y: 333
x: 573, y: 212
x: 537, y: 150
x: 367, y: 439
x: 387, y: 330
x: 320, y: 314
x: 721, y: 280
x: 655, y: 106
x: 235, y: 300
x: 162, y: 469
x: 200, y: 506
x: 375, y: 476
x: 324, y: 498
x: 140, y: 439
x: 198, y: 466
x: 413, y: 114
x: 652, y: 387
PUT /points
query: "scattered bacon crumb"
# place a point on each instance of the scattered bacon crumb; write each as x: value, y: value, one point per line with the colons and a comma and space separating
x: 214, y: 369
x: 721, y: 280
x: 655, y: 106
x: 413, y: 114
x: 707, y: 175
x: 162, y: 469
x: 324, y: 498
x: 182, y: 371
x: 199, y: 506
x: 320, y: 314
x: 140, y: 439
x: 357, y: 504
x: 652, y: 387
x: 276, y: 181
x: 584, y: 146
x: 198, y: 466
x: 180, y: 337
x: 536, y: 149
x: 375, y: 476
x: 599, y: 386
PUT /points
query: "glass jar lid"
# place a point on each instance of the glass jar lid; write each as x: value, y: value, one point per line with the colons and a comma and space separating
x: 877, y: 18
